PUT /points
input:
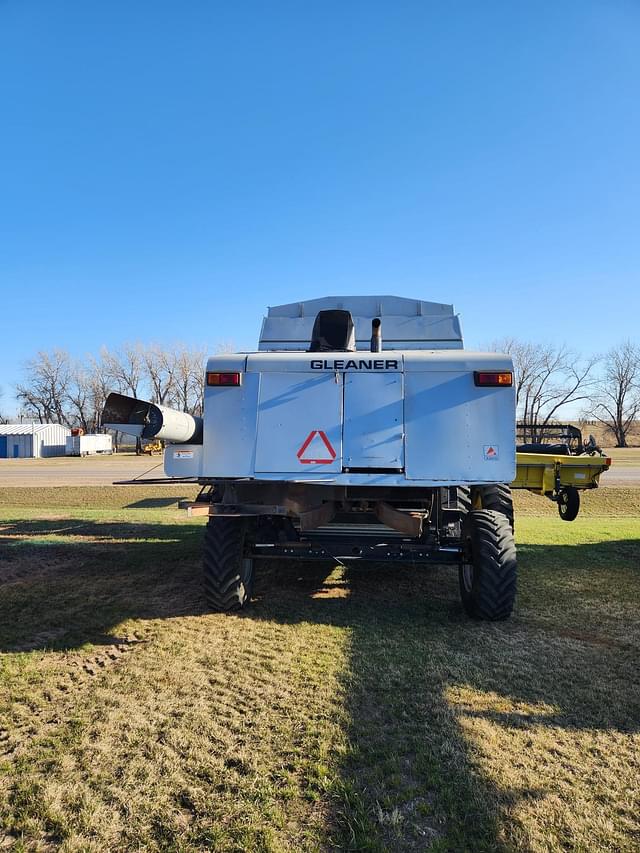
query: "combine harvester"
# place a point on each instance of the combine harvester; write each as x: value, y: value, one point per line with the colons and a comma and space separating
x: 360, y: 429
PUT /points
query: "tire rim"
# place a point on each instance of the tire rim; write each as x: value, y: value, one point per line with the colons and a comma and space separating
x: 564, y: 500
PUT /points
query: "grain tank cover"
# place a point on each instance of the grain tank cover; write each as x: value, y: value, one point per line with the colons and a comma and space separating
x: 333, y: 331
x: 406, y: 323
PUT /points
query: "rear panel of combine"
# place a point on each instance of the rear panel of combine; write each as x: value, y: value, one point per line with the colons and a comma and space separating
x: 390, y: 419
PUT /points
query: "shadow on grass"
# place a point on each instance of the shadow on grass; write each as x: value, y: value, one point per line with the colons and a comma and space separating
x: 68, y: 582
x: 410, y: 779
x: 156, y: 503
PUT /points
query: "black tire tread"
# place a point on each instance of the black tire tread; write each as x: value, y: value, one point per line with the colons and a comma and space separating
x: 227, y: 584
x: 568, y: 510
x: 495, y: 566
x: 464, y: 500
x: 497, y: 497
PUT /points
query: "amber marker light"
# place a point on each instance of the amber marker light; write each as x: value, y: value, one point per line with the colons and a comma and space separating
x: 226, y: 380
x: 484, y: 379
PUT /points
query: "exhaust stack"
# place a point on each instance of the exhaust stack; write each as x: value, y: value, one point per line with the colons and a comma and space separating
x: 150, y: 420
x: 376, y: 335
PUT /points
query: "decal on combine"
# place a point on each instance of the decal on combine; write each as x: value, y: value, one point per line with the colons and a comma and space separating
x: 354, y: 364
x: 491, y: 451
x: 316, y: 449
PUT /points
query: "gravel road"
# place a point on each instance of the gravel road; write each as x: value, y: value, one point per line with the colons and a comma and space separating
x: 76, y: 471
x: 628, y: 475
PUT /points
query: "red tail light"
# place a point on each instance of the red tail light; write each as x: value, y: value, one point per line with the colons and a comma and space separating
x: 223, y: 379
x: 492, y: 380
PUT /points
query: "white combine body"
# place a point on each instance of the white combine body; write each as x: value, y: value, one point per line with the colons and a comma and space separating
x: 360, y: 429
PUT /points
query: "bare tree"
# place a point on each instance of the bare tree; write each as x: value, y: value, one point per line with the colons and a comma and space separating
x: 548, y: 378
x: 60, y: 389
x: 526, y: 361
x: 87, y: 393
x: 125, y: 367
x: 99, y: 387
x: 160, y: 365
x: 3, y: 419
x: 188, y: 389
x: 125, y: 370
x: 616, y: 402
x: 57, y: 388
x: 81, y: 409
x: 44, y: 394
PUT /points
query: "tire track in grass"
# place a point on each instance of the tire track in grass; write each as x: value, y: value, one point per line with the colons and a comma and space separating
x: 355, y: 711
x: 218, y: 732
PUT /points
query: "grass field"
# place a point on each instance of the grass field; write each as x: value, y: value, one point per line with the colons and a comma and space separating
x: 347, y: 709
x: 624, y: 456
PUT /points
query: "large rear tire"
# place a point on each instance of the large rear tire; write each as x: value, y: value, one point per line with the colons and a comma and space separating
x: 228, y: 568
x: 463, y: 499
x: 488, y: 574
x: 456, y: 499
x: 497, y: 497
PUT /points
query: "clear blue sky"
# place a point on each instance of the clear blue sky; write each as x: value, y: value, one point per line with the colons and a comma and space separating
x: 167, y: 169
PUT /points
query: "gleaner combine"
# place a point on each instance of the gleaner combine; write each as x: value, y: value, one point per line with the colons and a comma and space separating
x: 361, y: 429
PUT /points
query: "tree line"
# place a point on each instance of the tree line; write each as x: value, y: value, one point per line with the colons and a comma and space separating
x: 549, y: 378
x: 62, y: 389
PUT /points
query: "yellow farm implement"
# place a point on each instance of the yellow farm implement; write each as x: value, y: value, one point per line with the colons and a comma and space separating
x: 561, y: 476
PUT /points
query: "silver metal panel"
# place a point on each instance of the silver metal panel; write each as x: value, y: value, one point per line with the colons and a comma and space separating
x: 33, y: 428
x: 183, y: 460
x: 51, y: 440
x: 411, y: 323
x: 227, y: 362
x: 366, y: 306
x: 363, y: 347
x: 458, y: 433
x: 420, y: 332
x: 373, y: 420
x: 229, y: 436
x: 447, y: 360
x: 407, y: 360
x: 378, y: 479
x: 300, y: 423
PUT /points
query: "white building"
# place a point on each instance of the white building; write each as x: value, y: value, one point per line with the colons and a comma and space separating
x: 19, y: 441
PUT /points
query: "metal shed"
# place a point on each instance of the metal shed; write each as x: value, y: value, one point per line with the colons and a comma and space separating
x: 31, y: 441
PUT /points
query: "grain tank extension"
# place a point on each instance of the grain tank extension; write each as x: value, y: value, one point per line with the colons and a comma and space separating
x: 359, y: 429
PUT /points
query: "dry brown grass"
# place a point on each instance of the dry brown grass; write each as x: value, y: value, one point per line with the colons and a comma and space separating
x: 596, y: 503
x: 347, y: 709
x: 89, y: 498
x: 606, y: 438
x: 624, y: 456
